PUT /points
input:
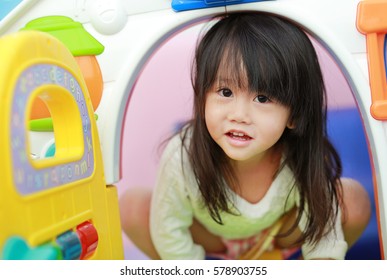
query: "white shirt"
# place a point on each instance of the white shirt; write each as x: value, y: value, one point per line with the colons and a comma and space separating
x: 177, y: 200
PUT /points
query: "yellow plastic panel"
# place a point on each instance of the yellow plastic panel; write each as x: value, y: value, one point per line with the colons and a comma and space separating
x: 41, y: 199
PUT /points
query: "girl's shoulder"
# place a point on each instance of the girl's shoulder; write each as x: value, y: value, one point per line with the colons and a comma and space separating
x: 175, y: 163
x: 175, y: 150
x: 177, y: 141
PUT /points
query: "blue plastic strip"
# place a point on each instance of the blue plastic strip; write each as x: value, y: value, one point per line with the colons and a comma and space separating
x: 185, y: 5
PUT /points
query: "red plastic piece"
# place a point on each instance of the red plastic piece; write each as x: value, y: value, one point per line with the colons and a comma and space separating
x: 89, y: 239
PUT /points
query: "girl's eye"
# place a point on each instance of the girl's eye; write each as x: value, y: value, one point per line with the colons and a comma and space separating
x: 225, y: 92
x: 262, y: 99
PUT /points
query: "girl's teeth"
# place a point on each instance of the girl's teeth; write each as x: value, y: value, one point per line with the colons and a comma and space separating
x: 238, y: 134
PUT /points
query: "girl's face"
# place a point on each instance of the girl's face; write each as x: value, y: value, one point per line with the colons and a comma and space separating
x: 243, y: 124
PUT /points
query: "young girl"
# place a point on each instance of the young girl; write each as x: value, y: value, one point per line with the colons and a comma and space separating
x: 255, y: 155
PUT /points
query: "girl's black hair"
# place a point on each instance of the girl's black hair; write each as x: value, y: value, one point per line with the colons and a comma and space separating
x: 279, y: 60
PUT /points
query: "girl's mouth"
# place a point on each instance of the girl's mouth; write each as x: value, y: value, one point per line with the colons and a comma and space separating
x: 237, y: 135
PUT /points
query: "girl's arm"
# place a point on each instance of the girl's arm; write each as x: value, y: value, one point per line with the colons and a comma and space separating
x: 171, y: 211
x: 331, y: 246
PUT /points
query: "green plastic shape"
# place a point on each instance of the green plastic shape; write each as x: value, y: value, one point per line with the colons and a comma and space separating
x: 69, y: 32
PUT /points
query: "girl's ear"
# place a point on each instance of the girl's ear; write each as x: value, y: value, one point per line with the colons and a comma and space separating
x: 290, y: 124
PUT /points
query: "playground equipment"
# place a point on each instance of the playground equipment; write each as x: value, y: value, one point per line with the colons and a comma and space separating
x: 131, y: 31
x: 57, y: 207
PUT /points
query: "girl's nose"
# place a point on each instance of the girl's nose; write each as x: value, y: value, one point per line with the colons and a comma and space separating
x: 239, y: 112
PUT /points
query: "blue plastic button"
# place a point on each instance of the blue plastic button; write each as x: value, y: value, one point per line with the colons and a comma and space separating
x: 70, y: 245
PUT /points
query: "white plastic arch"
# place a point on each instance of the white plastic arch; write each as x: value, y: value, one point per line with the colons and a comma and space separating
x: 132, y: 36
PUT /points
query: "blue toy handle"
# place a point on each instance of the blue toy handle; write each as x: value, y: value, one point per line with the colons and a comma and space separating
x: 184, y: 5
